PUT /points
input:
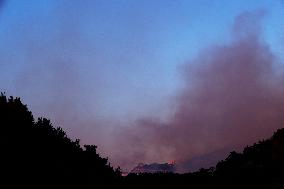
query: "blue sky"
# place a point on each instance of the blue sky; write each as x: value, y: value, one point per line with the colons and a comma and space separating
x: 112, y: 59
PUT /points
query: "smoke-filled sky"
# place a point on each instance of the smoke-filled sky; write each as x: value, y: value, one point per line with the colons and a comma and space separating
x: 148, y: 81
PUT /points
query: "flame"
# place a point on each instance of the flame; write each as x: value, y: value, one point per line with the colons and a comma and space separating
x: 172, y: 162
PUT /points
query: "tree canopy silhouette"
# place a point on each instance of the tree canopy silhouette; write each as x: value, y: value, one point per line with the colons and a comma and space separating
x: 36, y: 154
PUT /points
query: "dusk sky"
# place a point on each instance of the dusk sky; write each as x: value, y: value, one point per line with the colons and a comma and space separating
x: 128, y: 75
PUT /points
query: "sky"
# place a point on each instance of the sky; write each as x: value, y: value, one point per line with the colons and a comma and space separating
x: 126, y: 74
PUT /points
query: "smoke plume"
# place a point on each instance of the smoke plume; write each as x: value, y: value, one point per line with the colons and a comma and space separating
x: 233, y: 95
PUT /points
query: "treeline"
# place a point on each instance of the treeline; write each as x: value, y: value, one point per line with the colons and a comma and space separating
x: 258, y: 166
x: 35, y: 154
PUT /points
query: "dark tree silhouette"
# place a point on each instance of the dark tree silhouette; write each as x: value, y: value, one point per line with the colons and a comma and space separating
x: 34, y: 154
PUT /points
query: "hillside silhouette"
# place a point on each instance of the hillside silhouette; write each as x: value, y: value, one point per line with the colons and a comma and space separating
x: 258, y: 166
x: 35, y: 154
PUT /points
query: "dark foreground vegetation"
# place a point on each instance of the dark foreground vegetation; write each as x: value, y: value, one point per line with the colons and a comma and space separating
x: 34, y: 154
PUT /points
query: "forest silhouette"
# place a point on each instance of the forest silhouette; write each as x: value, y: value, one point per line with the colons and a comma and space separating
x: 35, y: 154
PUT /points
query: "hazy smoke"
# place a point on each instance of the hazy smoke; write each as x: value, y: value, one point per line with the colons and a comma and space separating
x: 233, y: 95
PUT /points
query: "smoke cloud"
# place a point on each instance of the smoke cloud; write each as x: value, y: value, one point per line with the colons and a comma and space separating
x: 233, y: 95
